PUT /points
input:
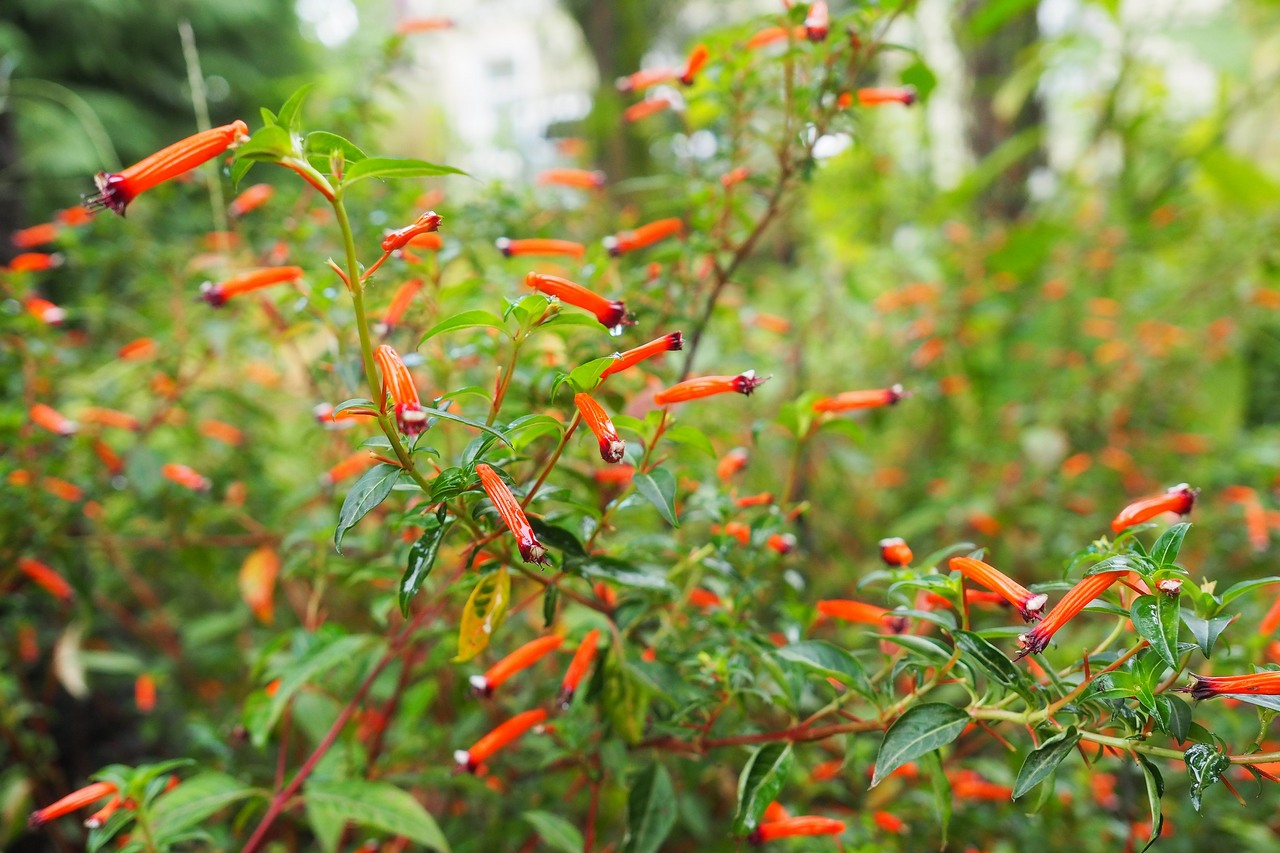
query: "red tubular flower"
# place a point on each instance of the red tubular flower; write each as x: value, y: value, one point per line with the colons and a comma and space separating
x: 144, y: 693
x: 137, y: 349
x: 732, y: 462
x: 36, y: 235
x: 597, y: 420
x: 782, y: 543
x: 45, y: 578
x: 185, y: 476
x: 697, y: 58
x: 734, y: 176
x: 877, y: 95
x: 410, y: 417
x: 581, y: 179
x: 885, y: 820
x: 1179, y: 499
x: 638, y: 81
x: 770, y: 35
x: 539, y: 246
x: 707, y: 386
x: 218, y: 294
x: 469, y: 759
x: 221, y: 431
x: 775, y: 811
x: 51, y: 419
x: 531, y: 550
x: 1271, y: 620
x: 859, y: 611
x: 794, y: 826
x: 645, y: 235
x: 578, y: 667
x: 62, y: 489
x: 646, y: 108
x: 818, y: 22
x: 115, y: 191
x: 330, y: 419
x: 851, y: 400
x: 102, y: 815
x: 73, y: 217
x: 74, y: 801
x: 1034, y: 641
x: 34, y: 262
x: 109, y: 418
x: 429, y: 221
x: 1030, y: 605
x: 108, y: 457
x: 354, y: 464
x: 251, y: 199
x: 522, y: 658
x: 399, y: 304
x: 667, y: 343
x: 409, y: 26
x: 610, y: 313
x: 895, y: 552
x: 749, y: 501
x: 1254, y: 684
x: 45, y: 311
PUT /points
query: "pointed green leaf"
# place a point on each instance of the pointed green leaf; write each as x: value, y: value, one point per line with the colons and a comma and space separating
x: 272, y: 143
x: 484, y: 612
x: 1174, y: 716
x: 447, y: 415
x: 658, y: 487
x: 320, y: 145
x: 1044, y: 759
x: 585, y: 377
x: 465, y: 320
x: 941, y: 787
x: 1205, y: 631
x: 390, y: 167
x: 825, y: 658
x: 1155, y: 790
x: 422, y: 556
x: 651, y: 810
x: 326, y: 653
x: 1205, y: 764
x: 1259, y: 699
x: 1155, y: 618
x: 761, y: 779
x: 1165, y: 551
x: 690, y: 437
x: 196, y: 799
x: 919, y: 731
x: 989, y: 658
x: 1238, y: 589
x: 288, y: 117
x: 556, y: 832
x: 370, y: 490
x: 379, y: 805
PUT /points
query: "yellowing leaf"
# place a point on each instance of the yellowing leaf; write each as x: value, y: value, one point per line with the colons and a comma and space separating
x: 484, y: 612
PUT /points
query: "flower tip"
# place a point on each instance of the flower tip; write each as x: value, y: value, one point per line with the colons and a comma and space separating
x: 611, y: 246
x: 745, y: 383
x: 212, y: 294
x: 462, y: 759
x: 675, y: 341
x: 565, y: 698
x: 480, y: 687
x: 1034, y: 607
x: 504, y: 246
x: 1030, y: 643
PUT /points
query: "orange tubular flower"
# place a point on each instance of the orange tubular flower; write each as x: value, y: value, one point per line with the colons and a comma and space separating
x: 749, y: 501
x: 354, y: 464
x: 667, y: 343
x: 859, y: 611
x: 218, y: 294
x: 36, y: 235
x: 109, y: 418
x: 522, y: 658
x: 707, y: 386
x: 531, y: 550
x: 697, y: 58
x: 71, y: 802
x: 794, y: 826
x: 50, y: 419
x: 638, y: 81
x: 429, y: 221
x: 62, y: 489
x: 611, y: 444
x: 1255, y: 684
x: 578, y: 667
x: 851, y: 400
x: 410, y: 417
x: 102, y: 815
x: 325, y: 414
x: 1179, y: 499
x: 1030, y: 605
x: 137, y: 349
x: 775, y: 811
x: 220, y: 431
x: 770, y: 35
x: 1034, y: 641
x: 611, y: 313
x: 818, y: 22
x: 646, y: 108
x: 45, y: 578
x: 644, y: 236
x: 399, y: 304
x: 539, y: 246
x: 185, y: 476
x: 45, y: 311
x: 144, y: 692
x: 410, y: 26
x: 885, y: 820
x: 732, y: 462
x: 115, y: 191
x: 581, y: 179
x: 469, y: 759
x: 257, y: 582
x: 34, y: 262
x: 876, y: 95
x: 895, y: 552
x: 251, y: 199
x: 782, y: 543
x: 108, y: 457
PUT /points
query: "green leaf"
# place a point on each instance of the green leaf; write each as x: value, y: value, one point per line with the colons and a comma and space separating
x: 459, y: 419
x: 1155, y: 790
x: 271, y: 143
x: 379, y: 805
x: 196, y: 799
x: 585, y: 377
x: 390, y: 167
x: 691, y: 437
x: 556, y: 832
x: 1166, y: 549
x: 1174, y: 716
x: 1155, y: 618
x: 761, y: 779
x: 319, y: 146
x: 370, y: 490
x: 422, y: 556
x: 466, y: 320
x: 1044, y: 759
x: 1205, y: 631
x: 825, y: 658
x: 1238, y: 589
x: 651, y: 810
x: 1261, y: 700
x: 1205, y: 765
x: 619, y: 572
x: 993, y: 661
x: 549, y: 599
x: 919, y: 731
x: 288, y: 117
x: 483, y: 614
x: 355, y: 403
x: 658, y: 487
x: 326, y: 653
x: 1119, y: 562
x: 941, y: 787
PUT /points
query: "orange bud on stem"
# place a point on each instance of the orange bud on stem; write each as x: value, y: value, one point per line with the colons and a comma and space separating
x: 1034, y: 641
x: 469, y: 759
x: 1179, y: 499
x: 630, y: 358
x: 71, y: 802
x: 531, y: 550
x: 218, y: 294
x: 1030, y: 605
x: 578, y: 667
x: 597, y: 420
x: 707, y: 386
x: 610, y: 313
x: 522, y: 658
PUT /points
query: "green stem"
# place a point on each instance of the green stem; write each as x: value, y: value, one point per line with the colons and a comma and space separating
x: 551, y: 462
